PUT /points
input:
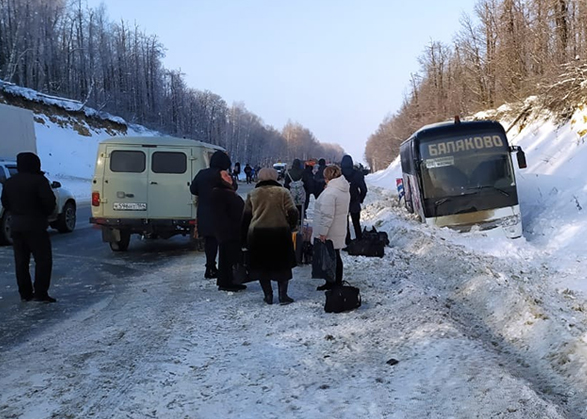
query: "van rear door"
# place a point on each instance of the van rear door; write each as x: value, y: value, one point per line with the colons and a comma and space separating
x: 169, y: 184
x: 125, y: 182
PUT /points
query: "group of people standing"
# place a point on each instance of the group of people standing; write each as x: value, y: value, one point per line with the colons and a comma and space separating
x: 251, y: 173
x: 314, y: 182
x: 262, y: 224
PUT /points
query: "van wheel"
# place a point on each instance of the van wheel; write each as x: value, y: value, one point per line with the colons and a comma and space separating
x: 66, y: 220
x: 5, y: 236
x: 123, y: 244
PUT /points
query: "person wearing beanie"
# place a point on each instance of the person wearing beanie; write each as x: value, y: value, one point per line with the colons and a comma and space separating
x: 202, y: 186
x: 227, y: 212
x: 28, y: 197
x: 358, y: 192
x: 319, y: 182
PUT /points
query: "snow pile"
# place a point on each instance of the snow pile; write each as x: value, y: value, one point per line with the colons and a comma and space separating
x: 66, y: 104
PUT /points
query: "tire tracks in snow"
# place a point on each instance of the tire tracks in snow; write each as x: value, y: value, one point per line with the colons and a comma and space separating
x: 506, y: 305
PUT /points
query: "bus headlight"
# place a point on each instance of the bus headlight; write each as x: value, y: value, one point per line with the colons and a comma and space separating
x: 510, y: 221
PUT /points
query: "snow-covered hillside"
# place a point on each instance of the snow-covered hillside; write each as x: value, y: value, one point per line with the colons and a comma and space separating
x: 67, y: 144
x: 69, y: 156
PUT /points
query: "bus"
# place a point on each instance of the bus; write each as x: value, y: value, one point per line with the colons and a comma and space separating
x: 460, y: 175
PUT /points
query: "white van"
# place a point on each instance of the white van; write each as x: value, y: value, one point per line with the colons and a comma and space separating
x: 141, y: 186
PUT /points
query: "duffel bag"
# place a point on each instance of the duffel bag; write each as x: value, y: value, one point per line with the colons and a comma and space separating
x: 342, y: 298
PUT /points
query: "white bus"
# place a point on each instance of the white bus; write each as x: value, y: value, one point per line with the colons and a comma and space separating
x: 460, y: 175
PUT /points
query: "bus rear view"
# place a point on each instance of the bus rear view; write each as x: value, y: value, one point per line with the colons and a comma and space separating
x: 461, y: 175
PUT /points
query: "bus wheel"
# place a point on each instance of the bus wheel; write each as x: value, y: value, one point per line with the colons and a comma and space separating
x: 409, y: 206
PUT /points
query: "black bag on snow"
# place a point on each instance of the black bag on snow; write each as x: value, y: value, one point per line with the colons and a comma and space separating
x: 375, y: 235
x: 240, y: 270
x: 342, y: 298
x: 372, y: 244
x: 323, y: 260
x: 366, y: 247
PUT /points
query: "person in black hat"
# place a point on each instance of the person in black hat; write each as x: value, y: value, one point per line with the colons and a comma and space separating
x: 28, y: 197
x: 202, y: 186
x: 358, y: 192
x: 319, y: 181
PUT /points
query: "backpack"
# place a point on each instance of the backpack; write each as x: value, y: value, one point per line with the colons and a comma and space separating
x: 298, y: 193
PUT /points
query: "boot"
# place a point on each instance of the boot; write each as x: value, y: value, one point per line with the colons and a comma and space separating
x: 45, y: 298
x: 283, y: 297
x: 211, y: 272
x: 267, y: 291
x: 324, y: 287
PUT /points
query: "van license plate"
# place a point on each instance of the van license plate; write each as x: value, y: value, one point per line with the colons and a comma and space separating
x: 130, y: 206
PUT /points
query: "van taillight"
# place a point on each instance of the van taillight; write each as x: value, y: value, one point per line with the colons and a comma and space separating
x: 95, y: 199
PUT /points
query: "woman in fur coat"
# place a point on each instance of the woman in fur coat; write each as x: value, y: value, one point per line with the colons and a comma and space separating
x: 331, y: 212
x: 268, y: 219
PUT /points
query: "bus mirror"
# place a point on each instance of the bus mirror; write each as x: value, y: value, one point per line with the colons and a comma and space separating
x: 521, y: 156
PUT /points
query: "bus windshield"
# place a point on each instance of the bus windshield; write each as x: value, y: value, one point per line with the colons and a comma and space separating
x: 454, y: 167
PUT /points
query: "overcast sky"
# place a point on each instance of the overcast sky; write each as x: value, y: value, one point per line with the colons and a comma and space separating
x: 338, y: 67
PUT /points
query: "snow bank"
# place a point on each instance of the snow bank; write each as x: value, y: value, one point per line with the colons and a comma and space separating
x: 66, y: 104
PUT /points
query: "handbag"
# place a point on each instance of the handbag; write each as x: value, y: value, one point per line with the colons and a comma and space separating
x: 240, y: 270
x: 323, y: 260
x: 342, y: 298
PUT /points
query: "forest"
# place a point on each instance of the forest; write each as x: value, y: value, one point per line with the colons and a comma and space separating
x: 67, y: 49
x: 507, y: 51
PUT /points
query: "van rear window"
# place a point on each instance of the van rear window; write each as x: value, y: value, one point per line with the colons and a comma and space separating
x: 127, y: 161
x: 169, y: 162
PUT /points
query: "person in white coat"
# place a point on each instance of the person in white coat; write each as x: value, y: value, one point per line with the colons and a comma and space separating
x: 330, y: 216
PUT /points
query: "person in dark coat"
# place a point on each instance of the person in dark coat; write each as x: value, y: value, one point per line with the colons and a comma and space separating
x: 268, y: 220
x: 28, y: 197
x: 227, y: 209
x: 248, y: 172
x: 236, y: 172
x: 202, y: 185
x: 319, y: 182
x: 358, y: 192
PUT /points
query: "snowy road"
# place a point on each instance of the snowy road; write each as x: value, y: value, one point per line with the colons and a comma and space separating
x: 85, y: 271
x: 473, y: 337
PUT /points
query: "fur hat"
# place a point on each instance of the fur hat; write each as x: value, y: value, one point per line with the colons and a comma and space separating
x: 267, y: 173
x: 28, y: 163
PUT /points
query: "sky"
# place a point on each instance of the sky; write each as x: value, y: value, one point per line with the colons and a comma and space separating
x: 338, y: 67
